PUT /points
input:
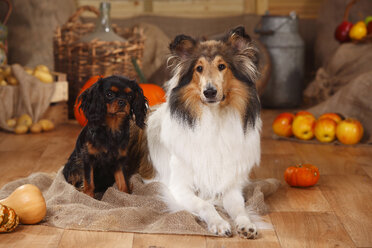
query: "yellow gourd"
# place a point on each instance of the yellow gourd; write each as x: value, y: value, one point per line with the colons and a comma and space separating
x: 28, y: 202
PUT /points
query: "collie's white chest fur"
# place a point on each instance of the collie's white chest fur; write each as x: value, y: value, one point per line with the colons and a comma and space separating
x: 213, y: 155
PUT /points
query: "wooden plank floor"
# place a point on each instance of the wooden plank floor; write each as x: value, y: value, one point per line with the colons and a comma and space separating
x: 337, y: 212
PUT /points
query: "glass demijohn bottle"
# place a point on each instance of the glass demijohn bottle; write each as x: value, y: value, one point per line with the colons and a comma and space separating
x: 103, y: 30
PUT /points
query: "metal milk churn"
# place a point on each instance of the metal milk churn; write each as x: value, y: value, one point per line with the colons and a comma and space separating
x: 286, y: 48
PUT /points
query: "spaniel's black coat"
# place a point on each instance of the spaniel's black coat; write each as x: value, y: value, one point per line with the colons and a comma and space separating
x: 112, y: 107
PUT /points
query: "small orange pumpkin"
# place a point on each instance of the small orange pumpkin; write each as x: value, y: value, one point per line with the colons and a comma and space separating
x: 154, y: 94
x: 302, y: 175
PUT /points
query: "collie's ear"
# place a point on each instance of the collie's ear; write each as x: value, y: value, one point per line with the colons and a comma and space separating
x: 246, y: 61
x: 92, y: 103
x: 238, y: 38
x: 182, y: 46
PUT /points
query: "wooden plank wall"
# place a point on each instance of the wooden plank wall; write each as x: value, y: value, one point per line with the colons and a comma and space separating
x: 307, y: 9
x: 304, y: 8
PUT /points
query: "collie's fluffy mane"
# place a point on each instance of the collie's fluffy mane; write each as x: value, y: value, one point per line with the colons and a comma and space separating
x: 238, y: 51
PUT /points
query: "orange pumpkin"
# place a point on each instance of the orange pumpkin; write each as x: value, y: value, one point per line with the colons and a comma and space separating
x: 154, y: 94
x: 302, y: 175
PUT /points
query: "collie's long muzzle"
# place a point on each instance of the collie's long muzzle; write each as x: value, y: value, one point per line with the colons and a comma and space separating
x: 210, y: 95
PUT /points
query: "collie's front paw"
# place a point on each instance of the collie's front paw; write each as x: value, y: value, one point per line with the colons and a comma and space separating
x: 245, y: 228
x: 220, y: 228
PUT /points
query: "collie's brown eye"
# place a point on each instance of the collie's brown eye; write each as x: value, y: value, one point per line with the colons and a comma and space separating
x: 221, y: 67
x: 199, y: 68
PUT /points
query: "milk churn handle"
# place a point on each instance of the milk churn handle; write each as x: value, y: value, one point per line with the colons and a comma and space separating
x: 8, y: 13
x: 257, y: 29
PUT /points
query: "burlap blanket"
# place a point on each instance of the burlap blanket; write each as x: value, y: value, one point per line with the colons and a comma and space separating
x: 142, y: 211
x: 30, y: 97
x: 348, y: 62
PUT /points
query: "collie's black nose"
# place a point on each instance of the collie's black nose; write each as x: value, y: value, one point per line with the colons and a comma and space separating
x: 210, y: 93
x: 121, y: 103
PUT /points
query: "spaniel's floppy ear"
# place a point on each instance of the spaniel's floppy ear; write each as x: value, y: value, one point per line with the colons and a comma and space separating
x: 139, y: 105
x: 92, y: 103
x: 182, y: 46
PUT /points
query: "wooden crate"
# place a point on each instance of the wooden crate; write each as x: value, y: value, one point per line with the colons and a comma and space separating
x: 58, y: 110
x: 61, y: 92
x: 57, y: 113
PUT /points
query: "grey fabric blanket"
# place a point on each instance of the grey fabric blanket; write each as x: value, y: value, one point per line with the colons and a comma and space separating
x: 142, y: 211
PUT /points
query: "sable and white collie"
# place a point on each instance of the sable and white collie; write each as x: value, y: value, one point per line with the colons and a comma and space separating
x: 204, y: 140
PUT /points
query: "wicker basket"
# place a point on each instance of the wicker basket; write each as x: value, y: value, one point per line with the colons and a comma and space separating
x: 82, y: 60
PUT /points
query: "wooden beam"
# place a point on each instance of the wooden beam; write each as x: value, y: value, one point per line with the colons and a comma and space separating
x: 147, y: 6
x: 249, y: 7
x: 262, y: 6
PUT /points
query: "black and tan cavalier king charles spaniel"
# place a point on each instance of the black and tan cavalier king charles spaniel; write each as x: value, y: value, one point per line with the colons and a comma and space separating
x: 113, y: 106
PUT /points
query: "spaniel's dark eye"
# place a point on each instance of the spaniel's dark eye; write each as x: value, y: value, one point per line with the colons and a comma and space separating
x: 109, y: 94
x: 221, y: 67
x: 199, y: 68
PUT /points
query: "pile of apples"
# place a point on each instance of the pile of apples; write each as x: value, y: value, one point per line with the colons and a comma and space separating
x: 303, y: 125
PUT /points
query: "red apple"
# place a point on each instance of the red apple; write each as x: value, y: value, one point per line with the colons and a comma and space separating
x: 282, y: 125
x: 342, y: 31
x: 336, y: 117
x: 303, y: 126
x: 368, y: 19
x: 369, y: 28
x: 349, y: 131
x: 303, y: 112
x: 325, y: 129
